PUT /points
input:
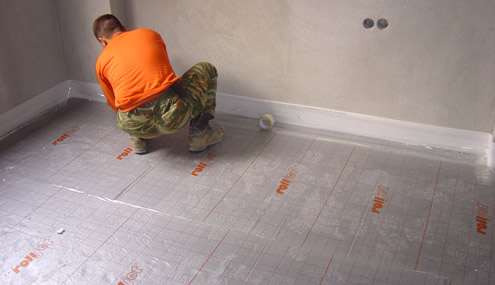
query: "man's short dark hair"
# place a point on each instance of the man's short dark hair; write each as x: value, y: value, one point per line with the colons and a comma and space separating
x: 106, y: 25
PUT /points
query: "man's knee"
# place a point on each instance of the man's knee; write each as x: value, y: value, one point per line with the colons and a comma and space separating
x: 208, y: 68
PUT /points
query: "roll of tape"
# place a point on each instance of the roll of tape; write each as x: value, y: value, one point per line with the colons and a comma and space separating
x: 266, y: 122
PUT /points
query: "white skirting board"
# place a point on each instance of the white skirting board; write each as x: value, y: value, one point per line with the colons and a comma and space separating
x: 478, y: 144
x: 29, y: 110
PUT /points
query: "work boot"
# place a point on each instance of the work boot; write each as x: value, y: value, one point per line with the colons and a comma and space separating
x: 203, y: 132
x: 139, y: 145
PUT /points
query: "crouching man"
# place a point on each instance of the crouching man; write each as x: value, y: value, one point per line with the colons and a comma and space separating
x: 140, y: 84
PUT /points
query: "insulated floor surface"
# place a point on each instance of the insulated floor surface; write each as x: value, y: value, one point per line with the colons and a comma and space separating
x: 288, y: 206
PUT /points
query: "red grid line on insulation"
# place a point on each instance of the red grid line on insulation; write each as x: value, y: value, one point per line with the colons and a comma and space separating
x: 91, y: 255
x: 238, y: 179
x: 416, y: 182
x: 146, y: 173
x: 429, y: 213
x: 51, y: 196
x: 365, y: 210
x: 269, y: 192
x: 403, y: 225
x: 328, y: 197
x: 80, y: 154
x: 206, y: 261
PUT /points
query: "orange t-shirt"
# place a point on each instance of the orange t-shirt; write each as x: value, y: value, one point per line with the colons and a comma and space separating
x: 134, y: 68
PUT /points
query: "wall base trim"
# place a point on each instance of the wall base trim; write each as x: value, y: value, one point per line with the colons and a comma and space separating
x: 31, y: 109
x: 475, y: 144
x: 478, y: 145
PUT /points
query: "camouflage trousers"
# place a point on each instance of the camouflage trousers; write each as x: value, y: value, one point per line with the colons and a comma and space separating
x: 170, y: 112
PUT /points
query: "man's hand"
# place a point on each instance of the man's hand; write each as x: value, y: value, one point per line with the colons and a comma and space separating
x: 179, y: 89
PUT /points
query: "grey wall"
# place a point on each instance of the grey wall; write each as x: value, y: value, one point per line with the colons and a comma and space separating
x: 76, y: 21
x: 31, y: 52
x: 434, y: 64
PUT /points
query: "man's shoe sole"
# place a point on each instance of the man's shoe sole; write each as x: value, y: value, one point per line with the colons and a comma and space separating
x: 193, y: 149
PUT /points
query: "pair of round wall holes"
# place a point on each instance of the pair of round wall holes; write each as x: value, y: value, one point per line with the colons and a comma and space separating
x: 380, y: 24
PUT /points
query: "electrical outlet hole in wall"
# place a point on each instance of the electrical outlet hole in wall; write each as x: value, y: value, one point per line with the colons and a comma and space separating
x: 368, y: 23
x: 382, y: 24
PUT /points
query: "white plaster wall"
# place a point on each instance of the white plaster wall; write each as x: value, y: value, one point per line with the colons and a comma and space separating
x: 248, y: 41
x: 434, y: 64
x: 82, y: 49
x: 31, y: 53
